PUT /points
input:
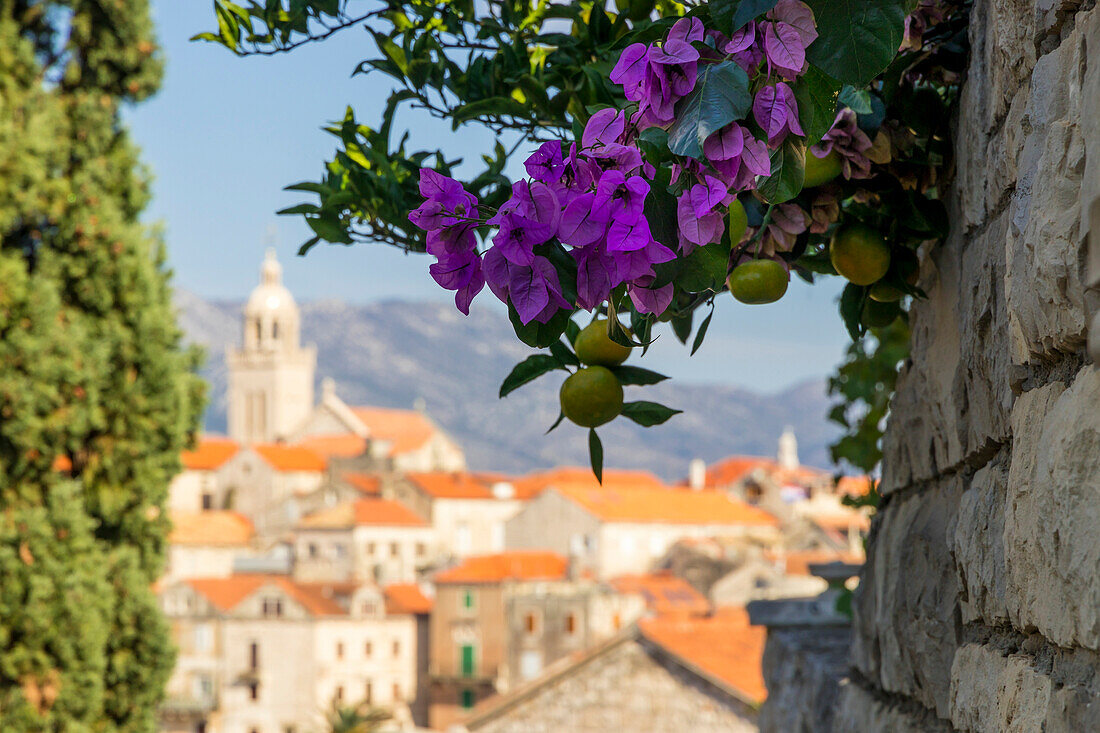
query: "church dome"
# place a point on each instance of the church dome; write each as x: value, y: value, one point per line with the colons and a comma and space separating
x: 271, y: 297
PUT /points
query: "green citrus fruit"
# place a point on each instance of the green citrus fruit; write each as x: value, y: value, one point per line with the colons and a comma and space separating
x: 879, y: 315
x: 821, y: 170
x: 591, y: 397
x: 758, y: 282
x: 594, y: 346
x: 883, y: 292
x: 860, y: 254
x: 739, y: 222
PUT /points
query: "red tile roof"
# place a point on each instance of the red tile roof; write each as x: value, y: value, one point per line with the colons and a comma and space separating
x: 402, y: 598
x: 363, y: 513
x: 290, y: 458
x: 210, y: 528
x: 405, y: 430
x: 513, y: 565
x: 663, y: 506
x: 366, y: 483
x: 723, y: 646
x: 535, y: 483
x: 227, y: 593
x: 798, y: 562
x: 210, y: 453
x: 339, y: 445
x: 451, y: 485
x: 663, y: 592
x: 854, y: 485
x: 729, y: 471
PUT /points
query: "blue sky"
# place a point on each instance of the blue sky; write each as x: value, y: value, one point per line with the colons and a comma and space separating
x: 225, y: 135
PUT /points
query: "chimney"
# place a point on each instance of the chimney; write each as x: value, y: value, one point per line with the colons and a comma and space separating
x: 697, y: 474
x: 328, y: 389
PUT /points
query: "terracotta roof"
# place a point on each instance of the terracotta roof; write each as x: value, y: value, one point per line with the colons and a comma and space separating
x: 667, y: 507
x: 854, y: 485
x: 404, y: 430
x: 513, y: 565
x: 663, y: 592
x: 730, y: 471
x: 841, y: 521
x: 406, y: 598
x: 290, y: 458
x: 339, y: 445
x: 227, y: 593
x: 210, y: 453
x: 364, y: 482
x: 798, y: 562
x: 723, y: 647
x: 214, y: 528
x: 452, y: 485
x: 577, y: 476
x: 363, y: 512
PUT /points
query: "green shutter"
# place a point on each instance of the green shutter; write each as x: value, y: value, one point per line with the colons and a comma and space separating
x: 467, y: 660
x: 467, y: 699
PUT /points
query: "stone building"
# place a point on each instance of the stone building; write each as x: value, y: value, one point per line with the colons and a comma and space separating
x: 616, y: 531
x: 263, y: 653
x: 195, y: 488
x: 273, y: 484
x: 372, y: 539
x: 206, y: 544
x: 979, y: 605
x: 667, y: 674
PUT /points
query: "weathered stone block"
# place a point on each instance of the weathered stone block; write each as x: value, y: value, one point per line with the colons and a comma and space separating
x: 859, y: 710
x: 979, y: 546
x: 1045, y: 278
x: 803, y: 669
x: 1052, y: 513
x: 993, y: 693
x: 906, y: 625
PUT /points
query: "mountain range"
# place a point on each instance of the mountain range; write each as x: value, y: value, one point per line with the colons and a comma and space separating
x: 401, y: 354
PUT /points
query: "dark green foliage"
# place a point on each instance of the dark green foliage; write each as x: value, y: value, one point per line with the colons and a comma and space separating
x: 97, y: 399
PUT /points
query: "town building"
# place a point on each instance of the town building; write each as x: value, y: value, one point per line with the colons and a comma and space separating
x: 613, y: 532
x: 206, y: 544
x: 273, y: 484
x: 195, y: 488
x: 370, y: 539
x: 267, y: 654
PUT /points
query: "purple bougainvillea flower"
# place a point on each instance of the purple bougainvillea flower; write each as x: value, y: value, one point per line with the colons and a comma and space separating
x: 849, y: 142
x: 435, y: 186
x: 630, y: 70
x: 535, y: 291
x: 647, y: 300
x: 546, y: 164
x: 784, y: 49
x: 428, y: 216
x: 787, y: 222
x: 742, y: 39
x: 594, y: 276
x: 628, y: 233
x: 696, y: 230
x: 495, y: 268
x: 604, y: 128
x: 581, y: 223
x: 755, y: 157
x: 538, y: 204
x: 516, y: 238
x: 799, y: 16
x: 633, y: 264
x: 707, y: 195
x: 450, y: 240
x: 461, y: 273
x: 726, y: 144
x: 776, y: 111
x: 686, y: 30
x: 618, y: 195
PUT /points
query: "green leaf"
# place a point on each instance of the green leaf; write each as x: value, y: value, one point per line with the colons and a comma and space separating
x: 732, y: 15
x: 648, y: 414
x: 702, y: 332
x: 788, y: 172
x: 816, y: 94
x: 632, y: 375
x: 327, y: 229
x: 561, y: 416
x: 595, y: 454
x: 721, y: 96
x: 851, y: 309
x: 857, y: 39
x: 564, y: 354
x: 539, y: 335
x: 705, y: 268
x: 528, y: 370
x: 858, y: 100
x: 682, y: 327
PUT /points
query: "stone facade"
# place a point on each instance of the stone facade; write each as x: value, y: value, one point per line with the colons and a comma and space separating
x: 979, y: 606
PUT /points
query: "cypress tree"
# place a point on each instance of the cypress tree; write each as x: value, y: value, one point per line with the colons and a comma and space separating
x: 97, y: 397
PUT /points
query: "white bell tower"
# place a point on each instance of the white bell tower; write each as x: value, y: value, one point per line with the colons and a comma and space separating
x: 271, y: 375
x: 787, y: 456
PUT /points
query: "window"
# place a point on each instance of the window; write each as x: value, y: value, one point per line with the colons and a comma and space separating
x: 396, y: 692
x: 531, y: 622
x: 368, y: 694
x: 273, y: 607
x: 467, y: 699
x: 395, y: 549
x: 339, y: 551
x: 259, y: 329
x: 339, y: 650
x: 367, y: 650
x: 203, y: 638
x: 616, y: 622
x: 463, y: 540
x: 370, y: 608
x: 467, y: 598
x: 397, y: 648
x: 275, y: 330
x: 289, y: 729
x: 312, y: 549
x: 421, y: 549
x: 207, y: 501
x: 571, y: 623
x: 339, y: 693
x: 468, y: 661
x: 254, y: 656
x: 370, y: 548
x: 254, y: 691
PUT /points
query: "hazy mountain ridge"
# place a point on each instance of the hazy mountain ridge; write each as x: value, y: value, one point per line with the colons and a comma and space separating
x: 392, y: 353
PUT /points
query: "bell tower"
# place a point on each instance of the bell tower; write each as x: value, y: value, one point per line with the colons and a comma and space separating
x: 270, y: 375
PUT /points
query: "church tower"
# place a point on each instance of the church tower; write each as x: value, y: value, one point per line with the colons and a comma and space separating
x: 271, y: 375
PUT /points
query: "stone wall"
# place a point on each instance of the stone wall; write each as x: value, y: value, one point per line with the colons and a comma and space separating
x: 979, y: 606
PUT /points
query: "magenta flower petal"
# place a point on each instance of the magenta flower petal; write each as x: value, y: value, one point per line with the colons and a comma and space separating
x: 650, y: 301
x: 580, y: 224
x: 604, y: 128
x: 628, y: 233
x: 629, y: 71
x: 799, y: 16
x: 784, y: 48
x: 686, y: 30
x: 726, y: 144
x: 742, y: 39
